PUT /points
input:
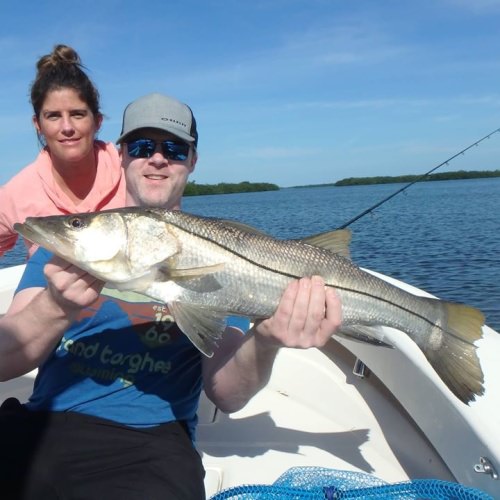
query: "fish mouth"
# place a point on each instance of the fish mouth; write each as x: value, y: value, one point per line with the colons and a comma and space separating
x: 27, y: 231
x: 46, y: 239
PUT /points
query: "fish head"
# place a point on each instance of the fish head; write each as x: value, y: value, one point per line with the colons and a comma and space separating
x: 114, y: 246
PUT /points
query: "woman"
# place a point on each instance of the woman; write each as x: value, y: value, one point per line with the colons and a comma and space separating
x: 74, y: 172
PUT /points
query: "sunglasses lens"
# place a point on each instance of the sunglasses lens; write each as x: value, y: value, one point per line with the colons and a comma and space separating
x: 141, y: 148
x: 177, y: 151
x: 145, y: 148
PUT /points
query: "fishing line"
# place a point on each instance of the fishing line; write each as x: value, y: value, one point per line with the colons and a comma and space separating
x: 418, y: 179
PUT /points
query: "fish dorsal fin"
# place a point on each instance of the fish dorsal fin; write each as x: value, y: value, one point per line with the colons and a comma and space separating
x: 336, y: 241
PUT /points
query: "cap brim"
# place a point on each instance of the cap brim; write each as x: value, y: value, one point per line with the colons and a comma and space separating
x: 178, y: 133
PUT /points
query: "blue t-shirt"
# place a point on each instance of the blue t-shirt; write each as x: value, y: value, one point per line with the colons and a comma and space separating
x: 123, y: 359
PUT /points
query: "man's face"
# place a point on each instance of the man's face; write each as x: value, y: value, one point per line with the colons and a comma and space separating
x: 156, y: 181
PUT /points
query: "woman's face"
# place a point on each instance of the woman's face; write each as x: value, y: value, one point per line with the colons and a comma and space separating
x: 68, y: 125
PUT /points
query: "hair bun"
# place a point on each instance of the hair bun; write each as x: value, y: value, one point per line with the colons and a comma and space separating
x: 63, y: 69
x: 61, y: 55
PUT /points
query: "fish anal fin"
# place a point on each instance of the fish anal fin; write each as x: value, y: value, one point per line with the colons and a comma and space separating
x: 203, y: 327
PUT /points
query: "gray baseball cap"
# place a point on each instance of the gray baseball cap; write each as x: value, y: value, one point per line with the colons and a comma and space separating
x: 161, y: 112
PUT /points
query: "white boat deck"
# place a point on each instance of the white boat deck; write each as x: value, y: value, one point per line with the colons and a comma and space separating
x: 316, y: 413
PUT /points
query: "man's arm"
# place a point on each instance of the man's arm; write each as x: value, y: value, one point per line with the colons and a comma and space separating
x: 38, y: 317
x: 307, y: 316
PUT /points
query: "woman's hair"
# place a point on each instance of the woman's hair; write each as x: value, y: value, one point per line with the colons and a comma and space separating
x: 63, y: 69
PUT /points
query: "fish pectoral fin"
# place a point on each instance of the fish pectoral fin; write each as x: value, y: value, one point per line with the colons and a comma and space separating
x: 336, y: 241
x: 367, y: 334
x: 189, y: 273
x: 203, y: 327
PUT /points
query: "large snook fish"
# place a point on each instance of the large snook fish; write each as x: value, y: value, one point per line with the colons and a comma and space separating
x: 206, y: 269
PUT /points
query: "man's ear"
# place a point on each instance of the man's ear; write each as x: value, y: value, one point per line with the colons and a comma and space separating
x: 194, y: 159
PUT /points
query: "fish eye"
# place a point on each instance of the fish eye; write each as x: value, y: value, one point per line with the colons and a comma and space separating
x: 76, y: 222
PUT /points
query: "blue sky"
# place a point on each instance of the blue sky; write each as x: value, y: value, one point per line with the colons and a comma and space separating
x: 292, y: 92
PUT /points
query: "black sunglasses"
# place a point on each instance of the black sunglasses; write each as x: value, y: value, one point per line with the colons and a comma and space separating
x: 145, y: 148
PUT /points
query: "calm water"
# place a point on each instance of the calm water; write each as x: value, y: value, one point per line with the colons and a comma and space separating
x: 443, y: 237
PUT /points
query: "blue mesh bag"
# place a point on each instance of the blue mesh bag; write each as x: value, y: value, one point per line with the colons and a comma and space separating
x: 328, y: 484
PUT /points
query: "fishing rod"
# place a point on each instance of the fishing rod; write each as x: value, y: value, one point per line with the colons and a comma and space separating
x: 418, y: 179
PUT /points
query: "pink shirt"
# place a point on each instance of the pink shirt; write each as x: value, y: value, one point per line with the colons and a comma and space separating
x: 33, y: 192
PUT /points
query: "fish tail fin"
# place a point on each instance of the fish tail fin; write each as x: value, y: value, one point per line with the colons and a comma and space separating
x: 456, y: 360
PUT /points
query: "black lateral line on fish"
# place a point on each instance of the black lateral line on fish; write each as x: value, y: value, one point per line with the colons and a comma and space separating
x: 292, y: 276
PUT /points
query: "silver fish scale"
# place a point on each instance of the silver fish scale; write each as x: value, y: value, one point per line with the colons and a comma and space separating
x: 257, y: 268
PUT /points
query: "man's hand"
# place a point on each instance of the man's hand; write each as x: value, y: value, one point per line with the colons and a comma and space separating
x: 307, y: 316
x: 71, y: 287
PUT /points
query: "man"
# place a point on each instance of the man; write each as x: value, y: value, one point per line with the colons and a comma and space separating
x: 113, y: 412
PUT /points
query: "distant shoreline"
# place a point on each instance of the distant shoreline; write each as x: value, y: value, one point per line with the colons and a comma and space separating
x: 193, y: 189
x: 446, y: 176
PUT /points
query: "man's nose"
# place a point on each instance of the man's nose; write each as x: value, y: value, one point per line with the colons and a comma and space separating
x: 158, y: 158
